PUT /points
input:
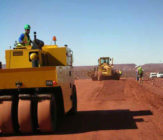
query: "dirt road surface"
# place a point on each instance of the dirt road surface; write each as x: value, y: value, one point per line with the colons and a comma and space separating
x: 111, y: 110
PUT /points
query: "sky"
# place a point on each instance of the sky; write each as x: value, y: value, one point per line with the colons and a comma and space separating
x: 130, y: 31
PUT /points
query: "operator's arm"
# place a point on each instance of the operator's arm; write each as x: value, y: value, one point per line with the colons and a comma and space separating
x: 21, y: 38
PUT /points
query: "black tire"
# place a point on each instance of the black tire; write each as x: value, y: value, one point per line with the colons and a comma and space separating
x: 74, y: 101
x: 94, y: 78
x: 117, y: 76
x: 47, y: 114
x: 54, y: 112
x: 60, y: 105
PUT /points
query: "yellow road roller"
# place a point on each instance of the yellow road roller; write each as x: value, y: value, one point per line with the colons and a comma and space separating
x: 36, y: 88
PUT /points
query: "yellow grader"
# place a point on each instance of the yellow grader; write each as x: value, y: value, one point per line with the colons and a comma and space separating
x: 105, y: 70
x: 36, y: 88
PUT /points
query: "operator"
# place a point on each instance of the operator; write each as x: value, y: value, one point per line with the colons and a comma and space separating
x: 24, y: 38
x: 104, y: 63
x: 140, y: 73
x: 120, y: 72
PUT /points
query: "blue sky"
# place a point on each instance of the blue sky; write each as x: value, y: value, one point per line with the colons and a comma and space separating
x: 131, y: 31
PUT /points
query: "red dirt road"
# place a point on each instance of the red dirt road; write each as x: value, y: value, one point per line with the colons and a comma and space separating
x: 111, y: 110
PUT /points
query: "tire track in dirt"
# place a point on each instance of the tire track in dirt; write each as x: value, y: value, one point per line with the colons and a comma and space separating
x: 148, y: 96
